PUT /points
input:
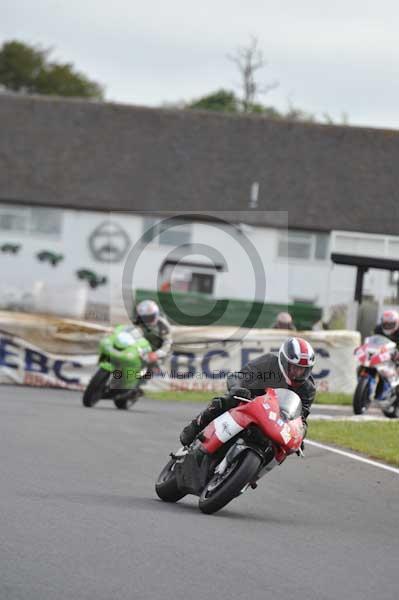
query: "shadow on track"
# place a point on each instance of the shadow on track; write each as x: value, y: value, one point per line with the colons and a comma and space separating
x: 150, y: 504
x: 132, y: 411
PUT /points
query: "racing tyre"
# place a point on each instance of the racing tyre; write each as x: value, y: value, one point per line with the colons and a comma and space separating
x: 221, y: 489
x: 124, y: 404
x: 95, y: 388
x: 391, y: 413
x: 130, y: 398
x: 166, y: 485
x: 361, y: 400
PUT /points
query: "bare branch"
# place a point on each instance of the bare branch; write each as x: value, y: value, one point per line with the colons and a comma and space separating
x: 248, y: 60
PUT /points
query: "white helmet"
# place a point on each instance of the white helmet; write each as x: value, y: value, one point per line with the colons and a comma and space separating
x: 296, y: 359
x: 284, y: 319
x: 389, y: 322
x: 147, y: 312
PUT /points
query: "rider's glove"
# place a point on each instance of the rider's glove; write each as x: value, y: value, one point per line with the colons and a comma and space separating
x: 152, y: 357
x: 240, y: 391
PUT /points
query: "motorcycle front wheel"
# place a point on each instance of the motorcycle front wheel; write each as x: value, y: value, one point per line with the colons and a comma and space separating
x: 95, y: 388
x: 393, y: 411
x: 361, y: 400
x: 125, y: 403
x: 221, y: 489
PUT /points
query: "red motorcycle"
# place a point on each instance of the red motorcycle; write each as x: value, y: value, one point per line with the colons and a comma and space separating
x: 377, y: 376
x: 234, y: 451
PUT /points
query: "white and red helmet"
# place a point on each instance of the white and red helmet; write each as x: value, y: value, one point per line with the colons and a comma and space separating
x: 390, y: 321
x: 284, y: 319
x: 296, y: 358
x: 147, y: 312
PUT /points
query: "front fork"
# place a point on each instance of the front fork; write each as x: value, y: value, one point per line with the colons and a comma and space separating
x: 373, y: 380
x: 268, y: 457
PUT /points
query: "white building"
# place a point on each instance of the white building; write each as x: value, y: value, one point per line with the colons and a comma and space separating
x: 81, y: 185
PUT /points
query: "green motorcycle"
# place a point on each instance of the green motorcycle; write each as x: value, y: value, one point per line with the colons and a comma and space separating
x: 122, y: 364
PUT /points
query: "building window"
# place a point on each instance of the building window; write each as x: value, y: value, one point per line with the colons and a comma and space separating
x: 45, y: 221
x: 393, y: 249
x: 302, y: 245
x: 166, y: 234
x: 30, y: 219
x: 14, y: 219
x: 202, y: 283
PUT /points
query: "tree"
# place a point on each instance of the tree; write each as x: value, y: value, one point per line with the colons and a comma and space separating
x: 27, y: 69
x: 249, y: 59
x: 20, y: 65
x: 221, y: 100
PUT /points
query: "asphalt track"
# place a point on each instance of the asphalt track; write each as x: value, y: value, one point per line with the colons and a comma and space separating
x: 79, y: 518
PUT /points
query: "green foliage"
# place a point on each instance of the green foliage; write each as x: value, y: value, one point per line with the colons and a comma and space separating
x: 51, y: 257
x: 62, y: 80
x: 227, y: 101
x: 201, y: 396
x: 25, y: 68
x: 20, y: 66
x: 92, y: 278
x: 194, y: 308
x: 221, y: 100
x: 333, y: 398
x: 10, y: 248
x: 179, y: 396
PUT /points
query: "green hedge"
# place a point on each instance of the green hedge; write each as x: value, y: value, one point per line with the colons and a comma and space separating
x: 199, y: 309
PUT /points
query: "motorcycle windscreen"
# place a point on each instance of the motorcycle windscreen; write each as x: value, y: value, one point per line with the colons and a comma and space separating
x: 374, y: 342
x: 290, y: 403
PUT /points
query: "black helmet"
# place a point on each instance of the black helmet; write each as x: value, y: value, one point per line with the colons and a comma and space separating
x: 296, y: 359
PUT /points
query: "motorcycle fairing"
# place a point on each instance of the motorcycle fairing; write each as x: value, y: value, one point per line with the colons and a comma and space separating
x: 192, y: 472
x: 263, y: 412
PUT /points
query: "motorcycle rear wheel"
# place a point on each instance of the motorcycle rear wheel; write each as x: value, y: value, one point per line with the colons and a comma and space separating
x: 95, y: 388
x: 361, y: 400
x: 166, y: 485
x: 220, y: 490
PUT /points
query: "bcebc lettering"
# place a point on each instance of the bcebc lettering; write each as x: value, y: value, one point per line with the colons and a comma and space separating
x: 183, y: 364
x: 34, y: 361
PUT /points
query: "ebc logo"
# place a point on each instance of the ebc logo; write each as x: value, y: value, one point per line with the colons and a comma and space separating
x: 188, y: 364
x: 12, y: 355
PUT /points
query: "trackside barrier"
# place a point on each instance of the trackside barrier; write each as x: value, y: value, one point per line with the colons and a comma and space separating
x: 46, y: 351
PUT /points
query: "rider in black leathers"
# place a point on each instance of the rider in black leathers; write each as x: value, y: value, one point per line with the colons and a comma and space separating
x: 266, y: 371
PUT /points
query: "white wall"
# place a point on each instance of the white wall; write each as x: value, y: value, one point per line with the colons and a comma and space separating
x: 376, y: 282
x: 286, y: 279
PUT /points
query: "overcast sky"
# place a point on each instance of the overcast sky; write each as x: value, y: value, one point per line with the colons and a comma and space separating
x: 333, y: 57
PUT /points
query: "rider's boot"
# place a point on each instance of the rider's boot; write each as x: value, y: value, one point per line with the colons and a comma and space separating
x: 213, y: 410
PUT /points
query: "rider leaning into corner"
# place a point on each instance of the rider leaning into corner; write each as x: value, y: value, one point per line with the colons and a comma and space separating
x: 155, y: 328
x: 291, y: 370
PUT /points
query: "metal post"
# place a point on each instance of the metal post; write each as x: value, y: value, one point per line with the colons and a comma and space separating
x: 359, y: 283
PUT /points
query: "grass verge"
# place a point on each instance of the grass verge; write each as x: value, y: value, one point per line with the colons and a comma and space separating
x: 376, y: 439
x: 194, y: 396
x: 379, y: 440
x: 332, y: 398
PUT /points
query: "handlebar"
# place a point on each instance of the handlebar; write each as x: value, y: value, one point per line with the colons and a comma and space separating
x: 242, y: 399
